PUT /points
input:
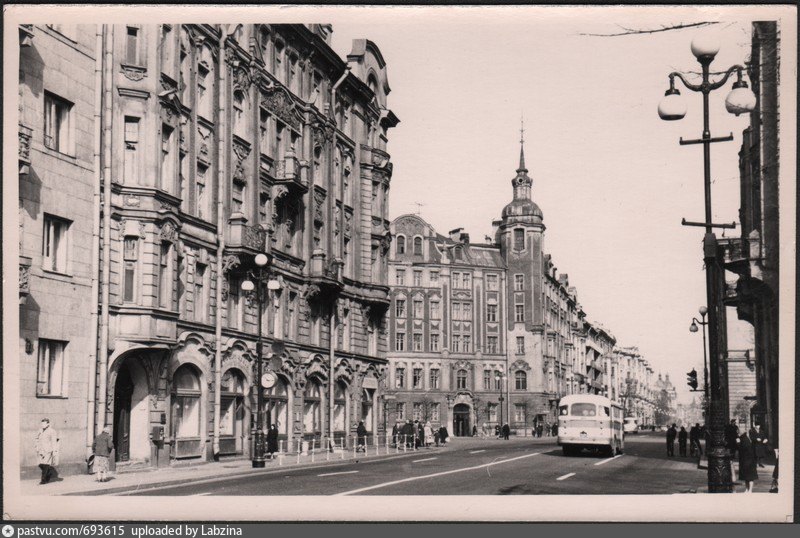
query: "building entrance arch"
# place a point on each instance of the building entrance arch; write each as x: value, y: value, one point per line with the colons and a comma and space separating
x: 461, y: 420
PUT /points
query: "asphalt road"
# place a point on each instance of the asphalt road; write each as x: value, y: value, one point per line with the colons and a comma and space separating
x: 473, y: 467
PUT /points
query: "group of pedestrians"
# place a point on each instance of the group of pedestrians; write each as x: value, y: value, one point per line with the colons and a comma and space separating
x: 417, y: 434
x: 545, y: 429
x: 751, y: 447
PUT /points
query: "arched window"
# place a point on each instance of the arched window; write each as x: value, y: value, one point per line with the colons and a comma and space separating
x: 186, y: 419
x: 276, y: 404
x: 231, y: 426
x: 461, y: 379
x: 339, y: 407
x: 312, y: 408
x: 520, y: 380
x: 417, y: 246
x: 401, y: 244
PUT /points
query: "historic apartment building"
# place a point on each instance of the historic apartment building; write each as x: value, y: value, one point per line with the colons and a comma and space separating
x: 156, y: 162
x: 486, y: 334
x: 755, y: 255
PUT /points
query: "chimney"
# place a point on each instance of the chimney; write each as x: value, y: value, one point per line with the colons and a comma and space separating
x: 464, y: 238
x: 455, y: 235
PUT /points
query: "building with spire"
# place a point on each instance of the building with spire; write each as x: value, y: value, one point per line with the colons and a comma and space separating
x: 483, y: 334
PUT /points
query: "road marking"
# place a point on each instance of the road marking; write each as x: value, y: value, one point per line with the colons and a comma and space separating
x: 433, y: 475
x: 426, y: 459
x: 608, y: 459
x: 340, y: 472
x: 476, y: 451
x: 565, y: 476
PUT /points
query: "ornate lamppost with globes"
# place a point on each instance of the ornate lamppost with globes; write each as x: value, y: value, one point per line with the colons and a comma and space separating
x: 740, y: 100
x: 257, y: 282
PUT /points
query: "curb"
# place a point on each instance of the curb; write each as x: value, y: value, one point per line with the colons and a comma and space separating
x: 235, y: 474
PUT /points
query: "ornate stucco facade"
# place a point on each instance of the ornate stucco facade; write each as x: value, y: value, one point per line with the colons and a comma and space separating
x: 211, y: 144
x: 484, y: 334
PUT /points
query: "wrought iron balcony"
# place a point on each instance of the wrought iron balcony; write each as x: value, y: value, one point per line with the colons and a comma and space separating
x: 245, y: 238
x: 25, y: 135
x: 325, y: 275
x: 287, y: 172
x: 24, y: 278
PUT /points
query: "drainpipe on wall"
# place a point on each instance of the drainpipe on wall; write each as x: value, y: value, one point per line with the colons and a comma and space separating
x: 105, y: 150
x: 333, y: 332
x: 91, y: 383
x: 221, y: 154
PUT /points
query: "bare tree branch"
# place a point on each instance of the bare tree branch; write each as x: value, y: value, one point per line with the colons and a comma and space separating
x: 631, y: 31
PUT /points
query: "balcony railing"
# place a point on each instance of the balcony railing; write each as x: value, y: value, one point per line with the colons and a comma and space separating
x: 243, y: 236
x: 287, y: 172
x: 25, y: 135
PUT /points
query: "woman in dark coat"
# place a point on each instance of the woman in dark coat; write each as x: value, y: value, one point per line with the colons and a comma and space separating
x: 443, y: 435
x: 361, y: 432
x: 748, y: 470
x: 682, y: 437
x: 272, y: 440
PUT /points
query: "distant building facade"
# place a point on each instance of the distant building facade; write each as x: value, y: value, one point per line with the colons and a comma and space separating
x: 742, y: 391
x: 483, y: 334
x: 171, y: 155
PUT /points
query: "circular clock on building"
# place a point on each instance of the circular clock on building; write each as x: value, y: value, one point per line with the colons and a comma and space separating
x: 268, y: 380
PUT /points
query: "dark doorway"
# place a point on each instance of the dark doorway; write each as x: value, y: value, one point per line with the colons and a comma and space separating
x: 461, y: 427
x: 123, y: 390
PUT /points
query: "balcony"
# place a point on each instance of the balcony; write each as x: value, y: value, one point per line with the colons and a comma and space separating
x: 734, y: 254
x: 243, y: 238
x: 287, y: 172
x: 325, y: 276
x: 24, y: 278
x: 25, y: 135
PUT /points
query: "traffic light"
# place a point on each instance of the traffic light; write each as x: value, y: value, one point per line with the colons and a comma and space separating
x: 691, y: 379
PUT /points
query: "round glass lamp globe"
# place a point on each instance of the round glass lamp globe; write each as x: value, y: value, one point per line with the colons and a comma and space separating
x: 703, y: 310
x: 706, y: 44
x: 671, y: 107
x: 261, y: 260
x: 248, y: 285
x: 740, y: 101
x: 693, y: 328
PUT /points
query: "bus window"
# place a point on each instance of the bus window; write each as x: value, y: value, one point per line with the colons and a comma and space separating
x: 606, y: 411
x: 584, y: 410
x: 562, y: 410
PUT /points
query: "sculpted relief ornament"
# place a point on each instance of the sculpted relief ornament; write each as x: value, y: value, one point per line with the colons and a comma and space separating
x: 279, y: 101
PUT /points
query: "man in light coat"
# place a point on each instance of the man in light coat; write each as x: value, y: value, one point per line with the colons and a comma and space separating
x: 46, y: 446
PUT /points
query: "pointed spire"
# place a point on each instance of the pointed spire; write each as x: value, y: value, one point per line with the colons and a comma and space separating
x: 522, y: 145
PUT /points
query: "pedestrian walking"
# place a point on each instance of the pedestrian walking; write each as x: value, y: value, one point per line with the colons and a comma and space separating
x: 554, y: 429
x: 539, y: 429
x: 408, y: 434
x: 102, y: 448
x: 420, y: 434
x: 748, y: 470
x: 672, y: 432
x: 506, y: 431
x: 395, y: 431
x: 682, y: 437
x: 761, y: 443
x: 497, y: 430
x: 475, y: 430
x: 731, y: 435
x: 428, y: 434
x: 694, y: 441
x: 272, y: 441
x: 443, y: 435
x: 361, y: 434
x: 46, y: 446
x: 436, y: 436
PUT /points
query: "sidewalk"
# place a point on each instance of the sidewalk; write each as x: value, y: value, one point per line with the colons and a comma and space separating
x: 176, y: 474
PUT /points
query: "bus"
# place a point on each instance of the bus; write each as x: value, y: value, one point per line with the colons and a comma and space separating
x: 631, y: 425
x: 590, y: 421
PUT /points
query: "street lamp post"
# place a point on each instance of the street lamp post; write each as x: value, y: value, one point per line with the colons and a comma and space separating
x: 501, y: 399
x: 693, y: 328
x: 740, y: 100
x: 259, y: 444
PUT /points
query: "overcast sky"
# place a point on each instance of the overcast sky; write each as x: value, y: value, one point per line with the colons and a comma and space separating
x: 609, y: 175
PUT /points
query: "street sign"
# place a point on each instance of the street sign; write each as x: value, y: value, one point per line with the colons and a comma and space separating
x: 268, y: 380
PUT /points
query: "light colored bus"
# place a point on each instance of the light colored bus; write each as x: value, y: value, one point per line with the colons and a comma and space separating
x: 590, y: 421
x: 631, y: 425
